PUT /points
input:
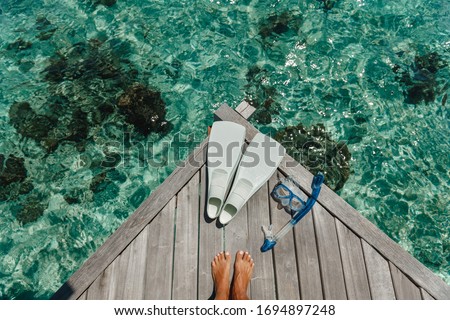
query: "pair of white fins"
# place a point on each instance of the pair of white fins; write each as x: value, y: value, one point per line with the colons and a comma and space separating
x: 260, y: 160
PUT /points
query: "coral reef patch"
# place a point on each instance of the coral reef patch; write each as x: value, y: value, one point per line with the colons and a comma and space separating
x: 419, y: 79
x: 277, y: 24
x: 13, y: 177
x: 45, y: 28
x: 31, y: 210
x: 261, y: 95
x: 315, y: 149
x: 144, y: 108
x: 19, y: 45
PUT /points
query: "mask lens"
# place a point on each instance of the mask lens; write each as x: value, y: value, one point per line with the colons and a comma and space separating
x: 296, y: 204
x: 282, y: 191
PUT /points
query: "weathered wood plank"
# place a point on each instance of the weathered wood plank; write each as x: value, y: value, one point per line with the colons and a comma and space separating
x: 116, y: 243
x: 134, y: 276
x: 353, y: 263
x: 125, y: 279
x: 329, y: 257
x: 286, y: 274
x: 245, y: 109
x: 186, y: 242
x: 362, y: 227
x: 236, y: 235
x: 104, y: 287
x: 83, y: 296
x: 262, y: 286
x: 425, y: 295
x: 211, y: 243
x: 403, y: 287
x: 308, y: 259
x: 380, y: 281
x: 119, y: 274
x: 160, y: 243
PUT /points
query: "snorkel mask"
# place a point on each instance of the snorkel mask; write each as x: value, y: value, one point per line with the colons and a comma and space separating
x: 288, y: 194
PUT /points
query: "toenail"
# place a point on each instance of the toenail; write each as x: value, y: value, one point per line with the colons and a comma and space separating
x: 241, y: 252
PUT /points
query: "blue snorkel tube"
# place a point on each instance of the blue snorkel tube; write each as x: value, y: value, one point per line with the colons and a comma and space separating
x: 271, y: 240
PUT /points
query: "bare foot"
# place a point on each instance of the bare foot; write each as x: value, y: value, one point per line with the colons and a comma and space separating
x: 243, y: 268
x: 220, y: 269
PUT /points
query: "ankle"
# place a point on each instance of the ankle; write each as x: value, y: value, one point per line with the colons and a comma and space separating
x: 239, y: 296
x: 221, y: 296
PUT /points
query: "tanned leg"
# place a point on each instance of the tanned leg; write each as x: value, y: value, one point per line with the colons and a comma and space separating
x: 220, y: 270
x: 243, y: 268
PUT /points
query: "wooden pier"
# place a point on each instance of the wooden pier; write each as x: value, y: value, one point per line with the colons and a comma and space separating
x: 164, y: 249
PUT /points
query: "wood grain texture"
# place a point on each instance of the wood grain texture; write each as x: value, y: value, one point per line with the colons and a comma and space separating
x: 333, y: 283
x: 119, y: 275
x: 403, y: 287
x: 158, y: 276
x: 286, y: 273
x: 104, y: 287
x: 351, y: 218
x: 134, y: 276
x: 211, y: 243
x: 236, y: 235
x: 380, y: 281
x: 262, y: 286
x: 308, y: 259
x: 120, y: 239
x: 186, y: 242
x: 83, y: 296
x: 425, y: 295
x: 245, y: 109
x: 353, y: 264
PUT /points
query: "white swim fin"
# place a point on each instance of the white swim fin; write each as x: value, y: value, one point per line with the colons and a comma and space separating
x: 260, y: 160
x: 224, y: 152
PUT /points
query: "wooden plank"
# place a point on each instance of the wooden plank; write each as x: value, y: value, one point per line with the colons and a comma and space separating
x: 403, y: 287
x: 117, y: 242
x: 242, y: 106
x: 380, y: 281
x: 352, y: 256
x: 286, y: 274
x: 236, y: 234
x: 425, y: 295
x: 83, y: 296
x: 211, y: 243
x: 245, y: 109
x: 186, y: 242
x: 362, y: 227
x: 104, y: 287
x: 308, y: 259
x: 119, y: 275
x: 262, y: 286
x: 158, y: 277
x: 333, y: 283
x: 134, y: 277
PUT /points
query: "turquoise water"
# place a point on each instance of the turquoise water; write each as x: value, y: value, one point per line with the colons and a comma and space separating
x: 374, y: 73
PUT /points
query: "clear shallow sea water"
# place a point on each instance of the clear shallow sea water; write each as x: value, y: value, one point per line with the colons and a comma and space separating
x: 333, y: 67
